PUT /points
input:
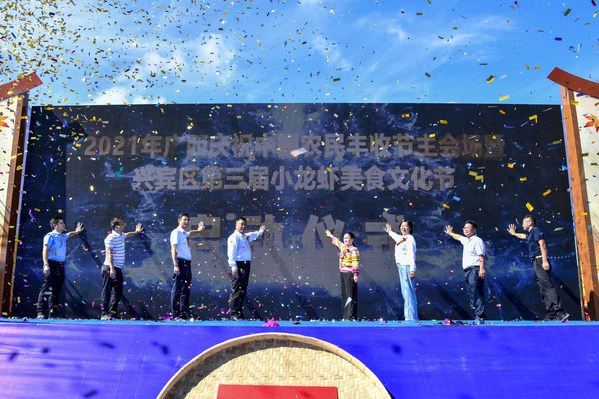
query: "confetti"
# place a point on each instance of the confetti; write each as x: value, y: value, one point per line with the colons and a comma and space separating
x: 299, y: 152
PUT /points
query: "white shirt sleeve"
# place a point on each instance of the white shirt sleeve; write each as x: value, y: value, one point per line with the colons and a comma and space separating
x: 174, y: 237
x: 253, y: 235
x: 411, y: 248
x: 395, y: 236
x: 232, y: 251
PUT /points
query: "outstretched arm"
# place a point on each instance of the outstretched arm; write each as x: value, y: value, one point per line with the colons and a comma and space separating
x: 199, y: 230
x: 449, y: 231
x: 334, y: 239
x: 138, y: 229
x: 512, y: 230
x: 78, y: 230
x: 255, y: 234
x: 396, y: 237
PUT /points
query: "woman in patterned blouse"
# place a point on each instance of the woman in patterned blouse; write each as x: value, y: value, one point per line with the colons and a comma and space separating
x: 349, y: 266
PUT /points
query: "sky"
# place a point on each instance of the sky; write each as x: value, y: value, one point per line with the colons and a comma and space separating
x: 297, y: 51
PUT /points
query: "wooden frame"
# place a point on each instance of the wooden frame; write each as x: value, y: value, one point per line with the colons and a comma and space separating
x: 18, y: 91
x: 587, y: 261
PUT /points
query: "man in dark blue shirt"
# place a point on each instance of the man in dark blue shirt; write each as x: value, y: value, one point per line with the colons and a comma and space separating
x: 537, y: 249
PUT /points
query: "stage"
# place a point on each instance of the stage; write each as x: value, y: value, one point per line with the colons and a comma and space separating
x: 136, y: 359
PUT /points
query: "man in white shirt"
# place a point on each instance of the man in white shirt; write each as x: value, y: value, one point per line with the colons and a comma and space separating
x: 112, y: 270
x: 240, y: 256
x: 181, y: 255
x: 473, y: 263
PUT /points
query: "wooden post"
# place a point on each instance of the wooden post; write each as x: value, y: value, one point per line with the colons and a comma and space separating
x: 583, y: 223
x: 15, y: 104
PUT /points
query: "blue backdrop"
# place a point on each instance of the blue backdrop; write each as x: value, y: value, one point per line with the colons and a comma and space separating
x: 299, y: 169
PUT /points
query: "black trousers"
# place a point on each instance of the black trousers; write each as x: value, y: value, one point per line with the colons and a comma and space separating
x: 239, y: 287
x: 551, y: 298
x: 112, y: 290
x: 51, y: 288
x: 349, y: 296
x: 181, y: 289
x: 475, y: 287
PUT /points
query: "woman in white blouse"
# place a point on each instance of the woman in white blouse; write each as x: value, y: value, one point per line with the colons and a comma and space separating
x: 405, y: 258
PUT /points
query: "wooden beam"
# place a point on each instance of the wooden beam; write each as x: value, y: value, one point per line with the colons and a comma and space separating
x: 587, y: 262
x: 19, y: 86
x: 574, y: 83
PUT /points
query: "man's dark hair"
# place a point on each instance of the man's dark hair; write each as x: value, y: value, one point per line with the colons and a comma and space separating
x: 115, y: 222
x: 182, y: 215
x: 54, y: 221
x: 532, y: 219
x: 470, y: 222
x: 241, y: 218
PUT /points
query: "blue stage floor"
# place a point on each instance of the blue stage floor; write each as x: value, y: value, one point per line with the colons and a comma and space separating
x: 311, y: 323
x: 427, y: 359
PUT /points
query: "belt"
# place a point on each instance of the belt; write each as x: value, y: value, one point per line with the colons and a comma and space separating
x: 537, y: 257
x: 470, y: 268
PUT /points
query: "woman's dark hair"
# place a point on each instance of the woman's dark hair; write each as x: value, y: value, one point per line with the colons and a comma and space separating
x: 349, y: 233
x: 410, y: 224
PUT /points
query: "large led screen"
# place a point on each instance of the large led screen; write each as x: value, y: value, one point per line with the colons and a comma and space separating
x: 299, y: 169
